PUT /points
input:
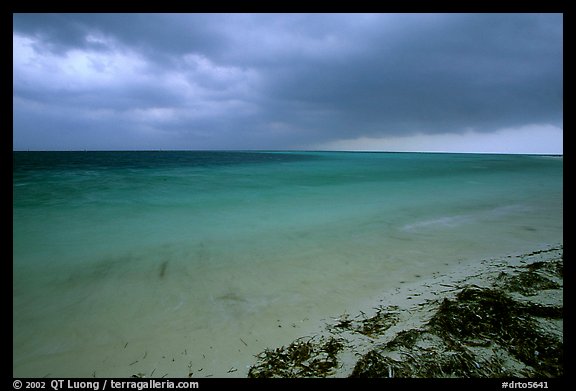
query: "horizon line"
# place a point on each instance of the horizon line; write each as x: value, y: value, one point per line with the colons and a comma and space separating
x: 289, y: 150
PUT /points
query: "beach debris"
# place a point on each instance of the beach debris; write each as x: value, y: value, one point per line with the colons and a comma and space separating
x: 377, y: 324
x: 555, y: 268
x: 299, y: 359
x: 344, y: 322
x: 424, y: 363
x: 472, y: 336
x: 528, y: 283
x: 492, y: 314
x: 384, y: 318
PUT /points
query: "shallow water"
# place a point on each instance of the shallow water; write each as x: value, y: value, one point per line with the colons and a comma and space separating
x: 177, y: 262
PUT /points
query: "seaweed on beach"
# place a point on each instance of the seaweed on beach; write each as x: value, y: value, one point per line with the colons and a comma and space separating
x: 439, y: 362
x: 404, y: 339
x: 478, y: 312
x: 555, y: 268
x: 461, y: 339
x: 481, y: 332
x: 422, y: 353
x: 377, y: 324
x: 528, y: 283
x: 491, y: 315
x: 374, y: 364
x: 299, y: 359
x: 373, y: 326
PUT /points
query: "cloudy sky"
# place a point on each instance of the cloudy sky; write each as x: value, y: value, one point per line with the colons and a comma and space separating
x: 395, y: 82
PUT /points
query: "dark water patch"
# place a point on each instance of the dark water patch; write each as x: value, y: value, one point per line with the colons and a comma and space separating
x: 232, y: 297
x: 105, y: 160
x: 162, y: 270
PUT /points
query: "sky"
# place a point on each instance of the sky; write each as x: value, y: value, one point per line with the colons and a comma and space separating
x: 391, y: 82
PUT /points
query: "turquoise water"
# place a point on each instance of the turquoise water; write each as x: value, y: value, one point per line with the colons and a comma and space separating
x: 128, y: 262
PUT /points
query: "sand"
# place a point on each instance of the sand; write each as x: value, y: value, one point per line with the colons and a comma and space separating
x: 495, y: 318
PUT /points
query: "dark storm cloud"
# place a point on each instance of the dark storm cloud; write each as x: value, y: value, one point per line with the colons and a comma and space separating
x: 282, y: 80
x: 441, y: 75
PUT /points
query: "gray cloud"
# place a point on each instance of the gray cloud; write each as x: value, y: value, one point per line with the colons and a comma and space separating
x: 123, y: 81
x: 155, y: 34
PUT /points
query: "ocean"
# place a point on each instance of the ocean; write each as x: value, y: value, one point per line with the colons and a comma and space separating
x: 188, y: 263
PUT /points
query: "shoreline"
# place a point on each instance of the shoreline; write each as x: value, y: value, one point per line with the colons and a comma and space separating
x: 466, y: 323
